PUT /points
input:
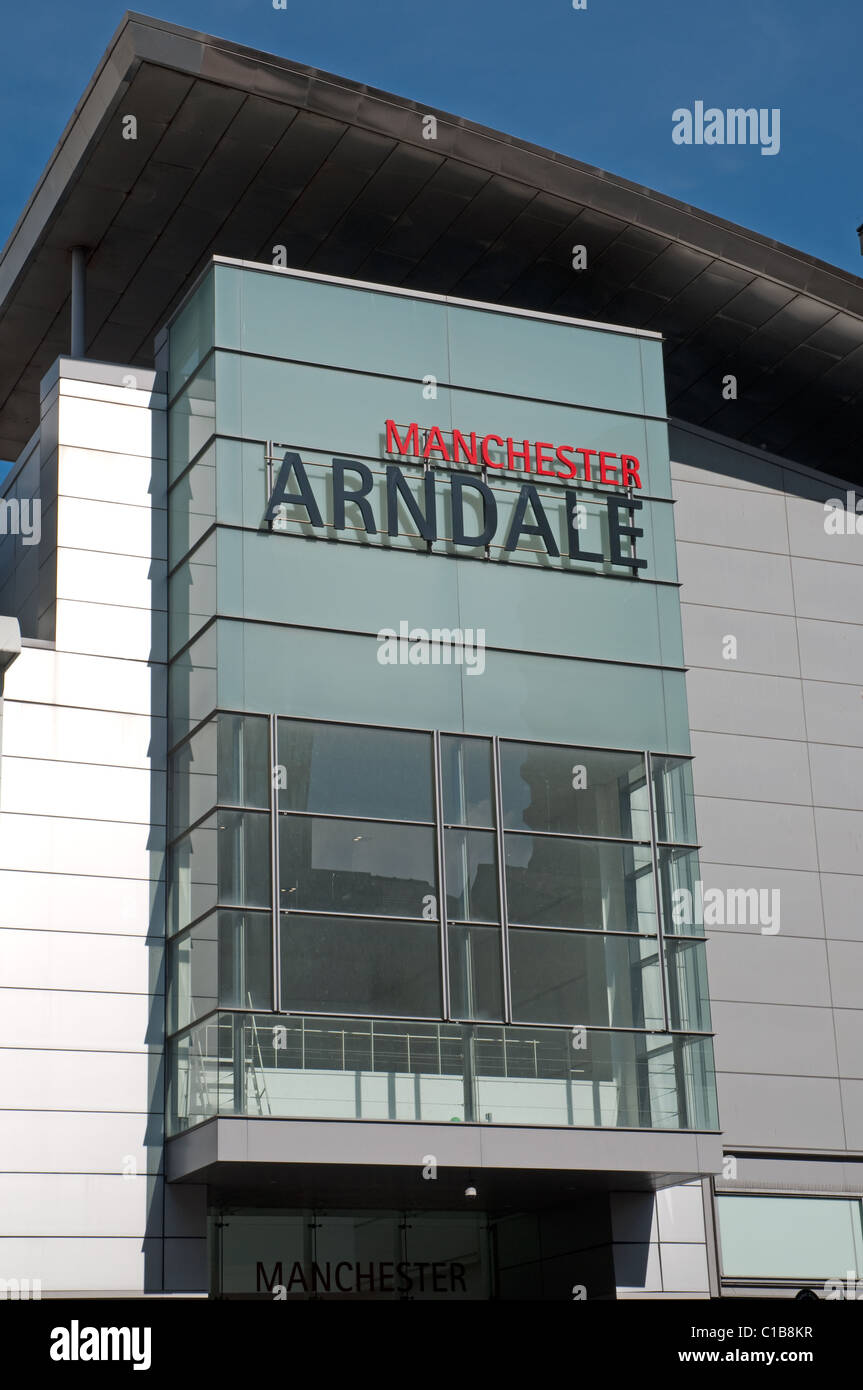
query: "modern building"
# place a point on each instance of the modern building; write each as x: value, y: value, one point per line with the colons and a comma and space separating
x: 435, y: 732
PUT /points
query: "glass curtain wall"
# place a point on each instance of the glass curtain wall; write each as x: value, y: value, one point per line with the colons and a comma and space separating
x: 393, y: 923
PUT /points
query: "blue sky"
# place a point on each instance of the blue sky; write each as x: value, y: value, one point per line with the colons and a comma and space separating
x: 598, y: 84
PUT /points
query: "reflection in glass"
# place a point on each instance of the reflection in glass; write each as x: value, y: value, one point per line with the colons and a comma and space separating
x: 806, y: 1239
x: 352, y: 770
x: 471, y: 875
x: 357, y: 866
x: 338, y: 965
x: 580, y: 978
x: 688, y: 996
x: 679, y: 886
x: 202, y: 1073
x: 225, y: 960
x: 675, y: 799
x: 226, y: 762
x: 225, y: 860
x: 475, y: 971
x: 586, y: 884
x: 466, y: 782
x: 361, y: 1068
x: 574, y: 791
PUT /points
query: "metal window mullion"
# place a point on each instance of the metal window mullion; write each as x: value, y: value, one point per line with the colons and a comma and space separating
x: 501, y: 880
x: 274, y: 865
x: 657, y: 897
x: 269, y: 450
x: 441, y: 875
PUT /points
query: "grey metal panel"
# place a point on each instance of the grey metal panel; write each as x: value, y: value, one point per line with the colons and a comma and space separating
x: 837, y: 776
x: 752, y: 832
x: 774, y: 1038
x: 831, y: 651
x: 794, y: 1174
x: 752, y: 769
x: 840, y: 840
x: 843, y: 914
x: 186, y: 1268
x: 735, y: 702
x: 730, y: 517
x: 833, y: 712
x: 736, y: 578
x: 633, y: 1217
x: 699, y: 457
x: 766, y: 643
x: 849, y: 1035
x: 799, y: 1113
x: 846, y: 973
x: 357, y: 1142
x: 852, y: 1100
x: 808, y: 534
x: 186, y: 1210
x: 799, y: 893
x: 832, y: 591
x: 767, y: 969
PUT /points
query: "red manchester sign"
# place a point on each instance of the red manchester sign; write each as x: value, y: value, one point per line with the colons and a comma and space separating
x: 515, y: 455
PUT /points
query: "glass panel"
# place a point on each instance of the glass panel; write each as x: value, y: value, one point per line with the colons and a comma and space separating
x: 360, y: 966
x: 356, y: 1068
x: 193, y: 779
x: 627, y: 1080
x: 192, y: 419
x: 466, y: 781
x: 202, y: 1073
x: 688, y: 995
x: 243, y: 760
x: 352, y: 770
x: 360, y: 1068
x: 193, y: 987
x: 574, y: 791
x: 679, y: 880
x: 191, y: 334
x: 584, y: 884
x: 225, y: 860
x: 244, y: 858
x: 580, y: 979
x: 476, y: 990
x: 805, y: 1238
x: 226, y: 761
x: 675, y: 799
x: 258, y: 1250
x: 357, y: 866
x: 245, y: 959
x: 471, y: 875
x: 227, y: 960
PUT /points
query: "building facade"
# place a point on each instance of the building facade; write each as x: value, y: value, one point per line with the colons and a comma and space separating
x: 429, y: 821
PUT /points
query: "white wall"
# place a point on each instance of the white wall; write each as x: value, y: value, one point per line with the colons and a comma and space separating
x: 82, y: 836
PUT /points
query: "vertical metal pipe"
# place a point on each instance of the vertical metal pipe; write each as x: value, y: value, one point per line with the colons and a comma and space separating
x: 274, y: 863
x: 79, y: 301
x: 441, y: 874
x: 657, y: 892
x: 500, y: 845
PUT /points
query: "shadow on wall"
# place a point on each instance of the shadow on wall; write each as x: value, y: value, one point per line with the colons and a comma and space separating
x: 715, y: 454
x: 175, y: 1235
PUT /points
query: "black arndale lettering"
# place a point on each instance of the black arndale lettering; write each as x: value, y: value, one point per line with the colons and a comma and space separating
x: 374, y: 1276
x: 353, y: 486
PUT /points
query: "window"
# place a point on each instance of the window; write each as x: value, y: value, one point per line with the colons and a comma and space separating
x: 438, y: 877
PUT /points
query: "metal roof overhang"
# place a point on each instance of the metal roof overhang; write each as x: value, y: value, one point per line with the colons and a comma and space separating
x: 238, y: 151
